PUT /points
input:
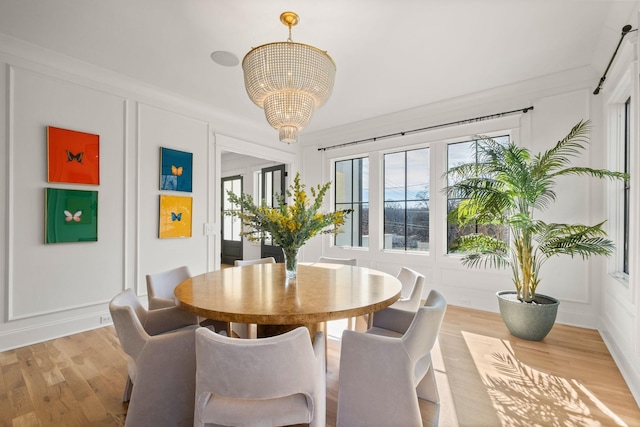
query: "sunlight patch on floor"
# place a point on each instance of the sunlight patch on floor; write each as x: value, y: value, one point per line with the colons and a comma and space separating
x: 521, y: 392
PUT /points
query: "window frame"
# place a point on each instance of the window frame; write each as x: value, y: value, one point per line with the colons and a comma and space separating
x: 232, y: 224
x: 619, y: 105
x: 383, y: 201
x: 468, y: 140
x: 436, y: 140
x: 360, y: 203
x: 626, y: 188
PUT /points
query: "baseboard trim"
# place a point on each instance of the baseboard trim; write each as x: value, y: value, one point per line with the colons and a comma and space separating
x: 37, y: 333
x: 627, y: 368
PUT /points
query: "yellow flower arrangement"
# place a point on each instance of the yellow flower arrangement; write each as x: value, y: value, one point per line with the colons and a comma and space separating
x: 290, y: 226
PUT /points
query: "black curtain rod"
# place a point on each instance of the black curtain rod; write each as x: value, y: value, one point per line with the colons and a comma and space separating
x: 459, y: 122
x: 625, y: 30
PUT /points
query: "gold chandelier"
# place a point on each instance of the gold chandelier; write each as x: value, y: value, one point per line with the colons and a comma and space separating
x: 289, y: 81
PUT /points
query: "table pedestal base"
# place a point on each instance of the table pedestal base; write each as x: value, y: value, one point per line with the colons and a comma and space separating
x: 272, y: 330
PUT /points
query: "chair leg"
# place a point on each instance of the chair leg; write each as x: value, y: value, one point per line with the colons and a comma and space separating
x: 128, y: 388
x: 427, y: 388
x: 324, y: 327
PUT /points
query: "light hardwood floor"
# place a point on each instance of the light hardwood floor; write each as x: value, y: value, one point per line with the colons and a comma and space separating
x: 485, y: 377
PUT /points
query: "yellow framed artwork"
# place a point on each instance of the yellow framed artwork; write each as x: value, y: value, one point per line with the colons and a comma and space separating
x: 175, y: 217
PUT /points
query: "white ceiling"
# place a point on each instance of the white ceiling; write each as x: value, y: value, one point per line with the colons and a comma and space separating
x: 390, y: 55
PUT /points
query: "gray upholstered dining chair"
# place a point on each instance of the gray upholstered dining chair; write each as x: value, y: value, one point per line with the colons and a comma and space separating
x: 412, y: 287
x: 160, y: 286
x: 410, y: 296
x: 160, y: 349
x: 384, y: 371
x: 242, y: 262
x: 344, y: 261
x: 272, y: 381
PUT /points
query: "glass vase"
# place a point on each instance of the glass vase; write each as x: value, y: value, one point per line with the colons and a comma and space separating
x: 291, y: 262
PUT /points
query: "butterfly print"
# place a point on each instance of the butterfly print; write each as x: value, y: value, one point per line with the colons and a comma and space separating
x: 176, y: 170
x: 71, y: 157
x: 75, y: 217
x: 176, y: 217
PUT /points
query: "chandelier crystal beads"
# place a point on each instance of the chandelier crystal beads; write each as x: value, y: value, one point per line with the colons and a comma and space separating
x: 289, y: 81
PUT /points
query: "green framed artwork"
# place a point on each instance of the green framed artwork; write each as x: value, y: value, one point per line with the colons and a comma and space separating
x: 175, y: 216
x: 70, y: 216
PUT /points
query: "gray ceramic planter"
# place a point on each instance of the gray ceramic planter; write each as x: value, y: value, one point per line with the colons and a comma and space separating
x: 528, y: 321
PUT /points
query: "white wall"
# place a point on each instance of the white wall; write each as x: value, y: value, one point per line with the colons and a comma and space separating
x: 41, y: 100
x: 162, y: 128
x: 619, y: 296
x: 50, y: 290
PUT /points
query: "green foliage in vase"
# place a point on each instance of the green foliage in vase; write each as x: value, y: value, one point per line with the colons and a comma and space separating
x: 289, y: 225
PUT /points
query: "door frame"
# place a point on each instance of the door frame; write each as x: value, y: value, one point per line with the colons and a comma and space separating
x: 224, y: 143
x: 230, y: 250
x: 266, y: 249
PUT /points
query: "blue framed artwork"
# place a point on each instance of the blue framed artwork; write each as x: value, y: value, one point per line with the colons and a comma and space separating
x: 71, y: 216
x: 175, y: 170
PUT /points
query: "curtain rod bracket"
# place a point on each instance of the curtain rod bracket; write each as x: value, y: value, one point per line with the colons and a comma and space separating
x: 625, y: 30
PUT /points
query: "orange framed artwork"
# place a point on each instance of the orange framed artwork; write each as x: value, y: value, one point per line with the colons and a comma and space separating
x: 73, y: 156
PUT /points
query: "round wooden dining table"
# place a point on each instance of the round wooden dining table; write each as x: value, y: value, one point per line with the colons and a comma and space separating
x: 261, y: 294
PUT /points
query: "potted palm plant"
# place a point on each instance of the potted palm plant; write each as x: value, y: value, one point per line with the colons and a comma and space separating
x: 506, y: 187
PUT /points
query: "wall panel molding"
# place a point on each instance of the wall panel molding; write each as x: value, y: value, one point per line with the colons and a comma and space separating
x: 37, y: 100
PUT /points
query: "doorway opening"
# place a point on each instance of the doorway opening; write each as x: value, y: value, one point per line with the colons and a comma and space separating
x: 262, y: 179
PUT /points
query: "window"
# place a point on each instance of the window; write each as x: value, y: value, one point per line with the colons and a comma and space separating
x: 272, y: 186
x: 462, y: 153
x: 231, y: 225
x: 406, y: 200
x: 352, y: 192
x: 626, y: 188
